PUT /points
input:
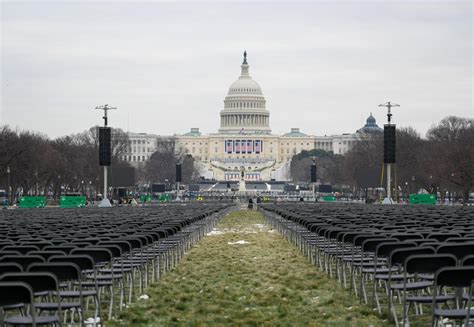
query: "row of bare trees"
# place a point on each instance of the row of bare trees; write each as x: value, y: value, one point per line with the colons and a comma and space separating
x: 35, y: 164
x: 443, y: 161
x: 162, y: 164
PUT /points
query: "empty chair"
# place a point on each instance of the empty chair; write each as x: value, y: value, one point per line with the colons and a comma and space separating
x: 39, y: 283
x: 457, y: 278
x: 89, y: 289
x: 397, y: 259
x: 418, y: 265
x: 63, y: 272
x: 14, y: 293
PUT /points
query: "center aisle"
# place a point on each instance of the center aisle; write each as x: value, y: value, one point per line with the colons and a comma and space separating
x: 245, y: 274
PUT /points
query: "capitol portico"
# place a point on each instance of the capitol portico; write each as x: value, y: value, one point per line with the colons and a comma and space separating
x: 244, y: 141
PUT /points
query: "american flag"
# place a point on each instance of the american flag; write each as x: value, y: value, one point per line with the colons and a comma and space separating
x: 229, y: 146
x: 237, y: 146
x: 249, y: 146
x: 243, y: 146
x: 257, y: 146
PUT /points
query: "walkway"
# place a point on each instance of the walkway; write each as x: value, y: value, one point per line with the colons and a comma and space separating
x: 244, y: 274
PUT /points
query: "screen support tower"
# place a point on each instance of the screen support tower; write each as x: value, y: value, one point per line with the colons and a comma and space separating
x: 389, y: 161
x: 105, y: 203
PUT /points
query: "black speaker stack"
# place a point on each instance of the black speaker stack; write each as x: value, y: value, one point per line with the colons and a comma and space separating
x: 105, y: 151
x: 178, y: 173
x: 389, y: 136
x: 313, y: 173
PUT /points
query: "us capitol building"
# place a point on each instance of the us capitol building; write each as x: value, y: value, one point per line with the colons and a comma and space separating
x: 244, y: 142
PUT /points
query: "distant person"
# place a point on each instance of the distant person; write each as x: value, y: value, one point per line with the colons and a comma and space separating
x: 250, y: 206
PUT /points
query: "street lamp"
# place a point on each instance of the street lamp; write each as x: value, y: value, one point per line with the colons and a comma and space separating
x: 406, y: 192
x: 59, y: 182
x: 8, y: 186
x: 36, y: 182
x: 82, y: 187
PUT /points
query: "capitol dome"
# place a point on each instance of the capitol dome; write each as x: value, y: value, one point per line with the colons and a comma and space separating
x: 244, y: 86
x: 244, y: 106
x: 370, y: 126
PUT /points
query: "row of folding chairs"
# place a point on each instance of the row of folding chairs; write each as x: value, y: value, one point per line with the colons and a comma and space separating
x: 364, y: 252
x: 114, y: 266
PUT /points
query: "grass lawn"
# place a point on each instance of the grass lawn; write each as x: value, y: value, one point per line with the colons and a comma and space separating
x: 265, y: 282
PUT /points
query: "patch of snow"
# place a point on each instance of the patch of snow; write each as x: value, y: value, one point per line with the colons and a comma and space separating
x: 91, y: 321
x: 144, y: 297
x: 215, y: 232
x: 238, y: 242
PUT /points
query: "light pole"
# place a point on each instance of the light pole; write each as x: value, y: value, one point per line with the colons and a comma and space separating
x: 389, y: 148
x: 60, y: 187
x: 8, y: 186
x: 82, y: 188
x: 36, y: 182
x: 406, y: 192
x: 105, y: 201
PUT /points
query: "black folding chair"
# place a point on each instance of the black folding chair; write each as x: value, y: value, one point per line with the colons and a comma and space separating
x: 456, y: 278
x: 89, y: 289
x: 418, y: 265
x: 64, y: 272
x: 13, y: 293
x: 397, y: 259
x: 40, y: 282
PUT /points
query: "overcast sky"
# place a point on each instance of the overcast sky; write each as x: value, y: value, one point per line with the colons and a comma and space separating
x: 322, y: 66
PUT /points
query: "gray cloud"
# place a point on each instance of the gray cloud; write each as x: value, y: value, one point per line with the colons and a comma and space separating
x: 323, y: 66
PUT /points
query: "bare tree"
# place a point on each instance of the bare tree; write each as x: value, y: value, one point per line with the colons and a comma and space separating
x: 452, y: 153
x: 327, y: 165
x: 162, y: 163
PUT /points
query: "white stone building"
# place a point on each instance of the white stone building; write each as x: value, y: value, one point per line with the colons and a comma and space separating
x: 140, y: 147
